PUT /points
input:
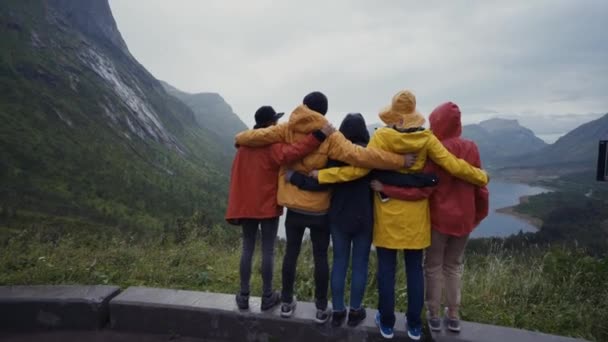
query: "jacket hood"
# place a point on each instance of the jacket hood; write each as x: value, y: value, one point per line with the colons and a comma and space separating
x: 353, y: 127
x: 445, y: 121
x: 402, y: 142
x: 305, y: 120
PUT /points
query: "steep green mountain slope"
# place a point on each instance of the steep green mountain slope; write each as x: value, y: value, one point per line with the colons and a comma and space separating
x: 87, y: 134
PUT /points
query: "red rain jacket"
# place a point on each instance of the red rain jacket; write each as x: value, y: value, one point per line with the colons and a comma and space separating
x: 254, y: 178
x: 456, y: 207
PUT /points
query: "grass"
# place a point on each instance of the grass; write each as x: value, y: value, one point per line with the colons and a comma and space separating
x: 550, y: 290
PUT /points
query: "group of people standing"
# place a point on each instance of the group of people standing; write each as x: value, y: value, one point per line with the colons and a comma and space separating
x: 407, y: 188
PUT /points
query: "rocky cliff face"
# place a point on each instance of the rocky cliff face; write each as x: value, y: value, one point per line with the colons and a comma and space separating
x: 93, y: 18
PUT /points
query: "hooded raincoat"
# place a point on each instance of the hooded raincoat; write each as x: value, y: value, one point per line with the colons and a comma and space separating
x: 457, y: 207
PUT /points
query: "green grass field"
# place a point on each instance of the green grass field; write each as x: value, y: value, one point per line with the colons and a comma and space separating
x: 550, y: 290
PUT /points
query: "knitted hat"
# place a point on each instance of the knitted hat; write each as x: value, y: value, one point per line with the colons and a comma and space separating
x: 402, y: 111
x: 316, y: 101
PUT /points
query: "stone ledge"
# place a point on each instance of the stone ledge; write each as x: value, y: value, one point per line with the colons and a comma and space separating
x: 32, y: 308
x: 104, y: 335
x: 215, y: 317
x: 474, y: 332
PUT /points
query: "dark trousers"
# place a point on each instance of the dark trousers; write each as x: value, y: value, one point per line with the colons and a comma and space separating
x: 295, y: 225
x: 387, y: 262
x: 269, y: 229
x: 343, y: 243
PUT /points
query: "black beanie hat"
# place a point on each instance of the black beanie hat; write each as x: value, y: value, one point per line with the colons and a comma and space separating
x: 316, y: 101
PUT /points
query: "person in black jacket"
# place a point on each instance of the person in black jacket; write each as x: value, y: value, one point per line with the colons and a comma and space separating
x: 351, y: 221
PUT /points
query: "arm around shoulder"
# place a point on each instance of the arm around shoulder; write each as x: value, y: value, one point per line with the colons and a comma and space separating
x: 283, y: 153
x: 262, y: 136
x: 372, y: 157
x: 455, y: 166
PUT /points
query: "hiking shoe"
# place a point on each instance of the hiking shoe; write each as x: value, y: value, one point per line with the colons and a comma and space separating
x: 242, y: 301
x: 433, y: 321
x: 356, y: 316
x: 269, y: 302
x: 386, y: 332
x: 287, y: 309
x: 323, y: 315
x: 337, y: 318
x: 453, y: 324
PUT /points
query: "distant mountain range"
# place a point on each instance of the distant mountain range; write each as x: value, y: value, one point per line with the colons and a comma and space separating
x: 212, y: 112
x: 501, y: 139
x: 89, y: 135
x: 575, y: 151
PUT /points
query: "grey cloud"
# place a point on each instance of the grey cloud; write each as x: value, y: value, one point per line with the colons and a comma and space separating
x: 536, y: 57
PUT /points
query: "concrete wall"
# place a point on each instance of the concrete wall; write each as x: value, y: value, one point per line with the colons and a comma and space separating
x: 206, y: 316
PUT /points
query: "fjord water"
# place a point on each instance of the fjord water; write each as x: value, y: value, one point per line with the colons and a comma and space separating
x: 502, y: 194
x: 505, y: 194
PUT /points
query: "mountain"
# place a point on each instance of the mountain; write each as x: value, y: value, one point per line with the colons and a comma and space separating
x: 500, y: 139
x: 212, y: 112
x: 576, y: 150
x: 88, y: 136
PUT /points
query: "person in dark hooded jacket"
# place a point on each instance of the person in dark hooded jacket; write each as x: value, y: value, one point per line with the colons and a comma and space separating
x: 351, y: 221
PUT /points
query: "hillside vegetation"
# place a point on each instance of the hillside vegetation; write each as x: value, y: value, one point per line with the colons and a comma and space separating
x: 551, y: 290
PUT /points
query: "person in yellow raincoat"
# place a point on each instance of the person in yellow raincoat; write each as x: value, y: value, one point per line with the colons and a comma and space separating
x: 403, y: 225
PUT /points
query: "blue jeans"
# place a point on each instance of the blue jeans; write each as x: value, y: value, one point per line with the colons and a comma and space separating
x: 342, y: 242
x: 387, y: 262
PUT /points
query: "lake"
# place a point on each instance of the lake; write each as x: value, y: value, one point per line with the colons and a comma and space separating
x: 502, y: 194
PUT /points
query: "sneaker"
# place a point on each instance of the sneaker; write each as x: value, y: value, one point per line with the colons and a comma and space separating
x: 269, y: 302
x: 453, y: 324
x: 414, y: 333
x: 287, y: 309
x: 242, y: 301
x: 322, y: 316
x: 433, y: 321
x: 386, y: 332
x: 356, y: 316
x: 337, y: 318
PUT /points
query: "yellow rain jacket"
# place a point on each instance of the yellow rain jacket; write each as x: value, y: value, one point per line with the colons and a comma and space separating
x: 406, y: 224
x: 301, y: 122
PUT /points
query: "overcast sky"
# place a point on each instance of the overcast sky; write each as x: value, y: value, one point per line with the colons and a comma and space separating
x: 544, y: 62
